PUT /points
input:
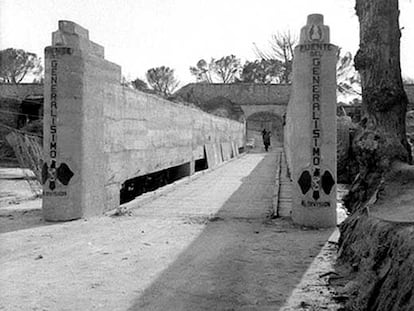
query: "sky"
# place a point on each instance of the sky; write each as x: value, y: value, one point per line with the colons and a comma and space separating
x: 142, y: 34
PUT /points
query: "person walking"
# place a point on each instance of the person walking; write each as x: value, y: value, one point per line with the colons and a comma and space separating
x: 266, y: 139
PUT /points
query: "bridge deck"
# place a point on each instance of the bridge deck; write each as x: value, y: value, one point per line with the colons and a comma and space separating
x: 205, y: 245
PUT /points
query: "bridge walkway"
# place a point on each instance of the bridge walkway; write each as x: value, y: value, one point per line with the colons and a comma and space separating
x: 205, y: 244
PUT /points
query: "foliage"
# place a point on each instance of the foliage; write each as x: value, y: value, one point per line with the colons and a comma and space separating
x: 281, y: 48
x: 227, y: 68
x: 202, y: 71
x: 347, y: 78
x: 262, y: 71
x: 15, y: 64
x: 162, y: 80
x: 223, y: 70
x: 139, y: 85
x: 408, y: 80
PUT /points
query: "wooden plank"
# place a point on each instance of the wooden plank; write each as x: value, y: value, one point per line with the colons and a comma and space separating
x: 226, y: 151
x: 211, y: 156
x: 218, y: 154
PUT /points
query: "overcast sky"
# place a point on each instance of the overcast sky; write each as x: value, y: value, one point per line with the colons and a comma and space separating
x: 140, y: 34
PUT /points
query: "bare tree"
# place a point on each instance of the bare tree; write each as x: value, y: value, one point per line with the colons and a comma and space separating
x: 15, y: 64
x: 281, y: 48
x: 162, y: 80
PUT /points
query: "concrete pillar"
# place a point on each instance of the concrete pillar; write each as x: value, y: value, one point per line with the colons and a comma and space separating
x: 311, y: 127
x: 74, y: 167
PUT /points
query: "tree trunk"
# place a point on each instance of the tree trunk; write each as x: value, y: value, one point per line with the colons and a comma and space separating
x: 382, y: 138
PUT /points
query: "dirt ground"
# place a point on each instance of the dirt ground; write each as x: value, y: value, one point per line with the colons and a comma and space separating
x: 377, y: 245
x: 165, y: 254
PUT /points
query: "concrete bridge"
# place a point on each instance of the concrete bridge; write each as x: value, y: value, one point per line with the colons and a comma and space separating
x: 98, y: 134
x: 206, y: 242
x: 100, y: 137
x: 105, y: 143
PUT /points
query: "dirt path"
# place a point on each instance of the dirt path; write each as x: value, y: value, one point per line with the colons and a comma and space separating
x: 206, y: 245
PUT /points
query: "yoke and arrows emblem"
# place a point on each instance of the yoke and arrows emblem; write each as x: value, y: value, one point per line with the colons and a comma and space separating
x: 307, y: 181
x: 315, y: 33
x: 63, y: 174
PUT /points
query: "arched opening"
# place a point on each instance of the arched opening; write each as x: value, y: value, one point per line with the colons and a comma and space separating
x: 270, y: 121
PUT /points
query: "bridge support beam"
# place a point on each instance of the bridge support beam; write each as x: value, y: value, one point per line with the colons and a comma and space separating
x: 311, y: 127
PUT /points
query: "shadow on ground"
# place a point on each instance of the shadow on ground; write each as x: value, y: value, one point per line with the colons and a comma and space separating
x: 242, y: 260
x: 14, y: 217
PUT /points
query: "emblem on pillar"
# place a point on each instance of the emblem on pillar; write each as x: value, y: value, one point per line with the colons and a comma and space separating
x: 315, y: 33
x: 63, y: 174
x: 314, y: 181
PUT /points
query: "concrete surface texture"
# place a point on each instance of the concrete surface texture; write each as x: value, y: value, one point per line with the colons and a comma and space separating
x: 310, y: 133
x: 206, y: 244
x: 239, y: 93
x: 20, y: 91
x: 97, y: 134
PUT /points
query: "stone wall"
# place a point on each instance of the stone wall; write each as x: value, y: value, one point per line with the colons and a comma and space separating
x: 251, y: 97
x: 240, y: 93
x: 97, y: 133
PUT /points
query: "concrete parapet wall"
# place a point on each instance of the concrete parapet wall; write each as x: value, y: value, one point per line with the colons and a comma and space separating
x: 239, y: 93
x: 97, y: 133
x: 146, y: 134
x: 20, y: 91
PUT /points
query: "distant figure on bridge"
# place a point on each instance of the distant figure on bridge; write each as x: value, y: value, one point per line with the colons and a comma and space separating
x: 266, y: 138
